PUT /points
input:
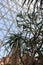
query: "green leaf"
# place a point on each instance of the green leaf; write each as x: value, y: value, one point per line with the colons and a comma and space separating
x: 20, y: 15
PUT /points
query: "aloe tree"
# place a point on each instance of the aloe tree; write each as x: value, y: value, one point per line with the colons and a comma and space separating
x: 32, y: 32
x: 31, y: 35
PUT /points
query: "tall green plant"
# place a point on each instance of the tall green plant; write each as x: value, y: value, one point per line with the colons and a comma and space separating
x: 31, y: 34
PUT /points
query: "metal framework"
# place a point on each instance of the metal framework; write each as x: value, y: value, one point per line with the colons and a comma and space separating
x: 8, y: 12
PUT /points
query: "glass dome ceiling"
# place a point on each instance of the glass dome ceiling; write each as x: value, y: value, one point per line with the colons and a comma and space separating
x: 8, y: 12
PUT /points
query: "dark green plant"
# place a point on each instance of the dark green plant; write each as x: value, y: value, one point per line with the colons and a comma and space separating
x: 31, y: 34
